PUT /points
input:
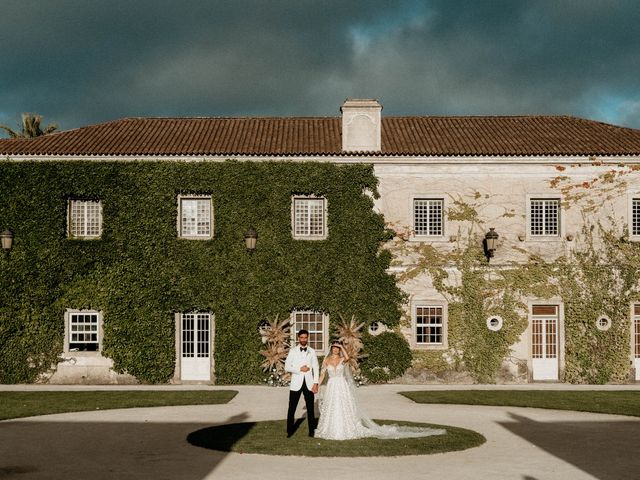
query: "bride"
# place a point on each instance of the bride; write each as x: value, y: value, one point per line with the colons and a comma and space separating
x: 340, y: 416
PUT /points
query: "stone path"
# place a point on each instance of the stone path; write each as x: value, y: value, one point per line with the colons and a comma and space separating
x: 522, y: 443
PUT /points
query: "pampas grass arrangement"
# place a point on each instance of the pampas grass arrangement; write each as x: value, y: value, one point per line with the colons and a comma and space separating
x: 350, y: 334
x: 276, y: 336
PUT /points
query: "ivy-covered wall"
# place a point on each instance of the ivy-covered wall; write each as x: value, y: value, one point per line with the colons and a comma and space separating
x: 592, y: 270
x: 139, y: 273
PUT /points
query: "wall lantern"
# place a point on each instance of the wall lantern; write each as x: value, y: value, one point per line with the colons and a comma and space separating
x: 490, y: 242
x: 250, y: 239
x: 7, y: 241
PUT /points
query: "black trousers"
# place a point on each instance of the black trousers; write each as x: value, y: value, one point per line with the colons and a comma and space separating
x: 294, y: 398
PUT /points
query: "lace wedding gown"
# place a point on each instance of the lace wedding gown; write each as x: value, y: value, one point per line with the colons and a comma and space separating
x: 342, y: 419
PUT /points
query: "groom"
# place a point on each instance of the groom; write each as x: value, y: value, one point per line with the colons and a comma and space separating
x: 302, y: 364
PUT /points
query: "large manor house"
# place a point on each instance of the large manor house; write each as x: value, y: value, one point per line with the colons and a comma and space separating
x: 515, y: 236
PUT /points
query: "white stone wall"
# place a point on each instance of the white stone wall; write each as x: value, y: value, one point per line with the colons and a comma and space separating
x: 499, y: 189
x: 89, y: 368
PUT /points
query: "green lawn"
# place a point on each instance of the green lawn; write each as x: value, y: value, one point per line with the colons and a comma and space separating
x: 269, y: 438
x: 619, y: 402
x: 27, y: 404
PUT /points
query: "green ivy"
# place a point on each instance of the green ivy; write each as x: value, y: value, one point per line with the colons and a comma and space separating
x: 387, y: 356
x: 139, y: 274
x: 600, y: 280
x: 599, y: 277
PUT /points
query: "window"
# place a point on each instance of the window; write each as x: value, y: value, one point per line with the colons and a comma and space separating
x: 83, y: 331
x: 544, y: 331
x: 84, y: 219
x: 635, y: 217
x: 544, y: 217
x: 376, y: 328
x: 195, y: 335
x: 316, y: 323
x: 636, y: 331
x: 429, y: 325
x: 195, y: 217
x: 309, y: 218
x: 428, y: 217
x: 603, y: 323
x: 494, y: 323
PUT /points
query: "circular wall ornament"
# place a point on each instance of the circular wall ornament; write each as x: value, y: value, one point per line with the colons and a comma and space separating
x: 263, y: 326
x: 603, y: 323
x: 376, y: 328
x: 494, y: 323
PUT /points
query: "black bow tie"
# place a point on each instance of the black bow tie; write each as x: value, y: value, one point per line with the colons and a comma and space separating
x: 303, y: 349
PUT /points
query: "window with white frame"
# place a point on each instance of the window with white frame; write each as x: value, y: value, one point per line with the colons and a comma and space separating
x: 83, y: 331
x: 428, y: 217
x: 429, y: 325
x: 196, y: 332
x: 309, y: 218
x: 544, y: 217
x: 195, y: 217
x: 636, y: 331
x: 84, y: 218
x: 316, y: 323
x: 635, y: 217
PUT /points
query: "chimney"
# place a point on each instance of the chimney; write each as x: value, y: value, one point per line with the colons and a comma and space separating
x: 361, y: 125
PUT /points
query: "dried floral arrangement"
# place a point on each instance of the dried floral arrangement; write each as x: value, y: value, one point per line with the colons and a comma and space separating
x: 276, y: 337
x: 350, y: 334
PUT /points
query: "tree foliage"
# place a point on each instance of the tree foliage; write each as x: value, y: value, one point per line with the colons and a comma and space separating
x: 30, y: 127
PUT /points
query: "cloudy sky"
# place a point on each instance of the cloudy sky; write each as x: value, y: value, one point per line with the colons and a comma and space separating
x: 80, y: 62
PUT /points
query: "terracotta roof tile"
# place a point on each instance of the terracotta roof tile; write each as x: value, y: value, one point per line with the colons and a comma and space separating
x: 411, y: 136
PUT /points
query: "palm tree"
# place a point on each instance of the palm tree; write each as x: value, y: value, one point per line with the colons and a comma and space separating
x: 30, y: 127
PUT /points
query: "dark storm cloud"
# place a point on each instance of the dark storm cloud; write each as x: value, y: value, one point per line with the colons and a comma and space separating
x: 85, y: 62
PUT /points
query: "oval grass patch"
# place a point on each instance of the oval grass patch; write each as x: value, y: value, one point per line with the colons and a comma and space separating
x: 269, y: 438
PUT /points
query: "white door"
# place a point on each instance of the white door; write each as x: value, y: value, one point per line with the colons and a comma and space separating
x: 636, y: 342
x: 195, y: 361
x: 544, y: 342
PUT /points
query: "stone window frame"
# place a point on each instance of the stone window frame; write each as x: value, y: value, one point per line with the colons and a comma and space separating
x: 74, y: 202
x: 69, y: 312
x: 324, y: 332
x: 631, y: 196
x: 444, y: 237
x: 499, y: 323
x: 325, y: 214
x: 444, y: 345
x: 603, y: 323
x: 186, y: 196
x: 635, y: 335
x: 376, y: 328
x: 561, y: 220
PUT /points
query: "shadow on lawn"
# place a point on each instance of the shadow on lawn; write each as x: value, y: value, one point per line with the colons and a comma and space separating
x: 606, y: 449
x: 104, y: 450
x: 225, y: 437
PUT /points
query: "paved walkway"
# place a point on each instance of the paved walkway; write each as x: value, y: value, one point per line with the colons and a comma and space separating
x: 522, y: 443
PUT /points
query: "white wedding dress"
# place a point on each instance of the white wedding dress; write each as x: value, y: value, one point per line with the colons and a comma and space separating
x: 342, y: 419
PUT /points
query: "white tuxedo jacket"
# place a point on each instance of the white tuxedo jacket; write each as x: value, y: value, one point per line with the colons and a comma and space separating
x: 296, y: 360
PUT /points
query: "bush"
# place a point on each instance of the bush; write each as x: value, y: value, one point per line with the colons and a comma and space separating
x: 388, y: 357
